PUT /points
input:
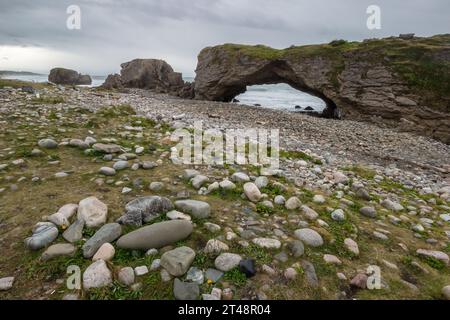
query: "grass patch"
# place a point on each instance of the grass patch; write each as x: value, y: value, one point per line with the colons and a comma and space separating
x: 48, y: 100
x: 116, y: 292
x: 236, y: 277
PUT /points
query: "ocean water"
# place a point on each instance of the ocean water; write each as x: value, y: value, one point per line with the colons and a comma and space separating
x: 280, y: 96
x: 96, y: 80
x: 273, y: 96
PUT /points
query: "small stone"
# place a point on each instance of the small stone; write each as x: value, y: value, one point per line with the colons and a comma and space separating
x: 247, y: 267
x: 338, y: 215
x: 267, y: 243
x: 213, y: 275
x: 211, y: 227
x: 262, y: 182
x: 105, y: 252
x: 279, y: 200
x: 290, y: 274
x: 195, y: 275
x: 439, y: 255
x: 309, y: 237
x: 252, y: 192
x: 198, y: 181
x: 359, y: 281
x: 319, y: 199
x: 140, y: 271
x: 177, y: 215
x: 75, y: 232
x: 331, y: 259
x: 446, y: 292
x: 214, y: 246
x: 178, y: 261
x: 120, y: 165
x: 152, y: 252
x: 156, y: 186
x: 227, y: 294
x: 297, y: 248
x: 44, y: 233
x: 369, y: 212
x: 227, y: 261
x: 189, y: 174
x: 93, y: 212
x: 351, y: 246
x: 185, y: 290
x: 48, y: 144
x: 155, y: 264
x: 57, y: 250
x: 240, y: 177
x: 380, y: 236
x: 6, y: 283
x: 390, y: 205
x: 227, y: 185
x: 197, y: 209
x: 107, y: 171
x: 126, y: 276
x: 293, y: 203
x: 97, y: 275
x: 309, y: 213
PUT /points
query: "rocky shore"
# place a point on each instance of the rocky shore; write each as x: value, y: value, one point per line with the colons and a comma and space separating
x: 86, y: 179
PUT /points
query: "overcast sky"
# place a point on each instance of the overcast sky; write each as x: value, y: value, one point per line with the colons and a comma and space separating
x: 34, y: 36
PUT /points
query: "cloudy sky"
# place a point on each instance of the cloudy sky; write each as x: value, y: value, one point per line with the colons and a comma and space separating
x: 34, y: 36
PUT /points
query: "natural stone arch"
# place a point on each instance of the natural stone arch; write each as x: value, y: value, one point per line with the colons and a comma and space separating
x: 365, y: 81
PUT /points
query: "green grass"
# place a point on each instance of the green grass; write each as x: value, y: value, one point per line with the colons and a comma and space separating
x: 361, y: 171
x: 235, y: 276
x: 115, y: 292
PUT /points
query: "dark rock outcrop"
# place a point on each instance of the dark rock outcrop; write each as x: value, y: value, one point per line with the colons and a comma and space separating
x: 149, y: 74
x: 68, y: 77
x: 403, y: 83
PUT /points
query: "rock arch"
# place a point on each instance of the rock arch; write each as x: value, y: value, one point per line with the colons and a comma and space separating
x: 364, y: 81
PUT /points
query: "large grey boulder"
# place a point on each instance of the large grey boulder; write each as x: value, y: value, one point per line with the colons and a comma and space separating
x: 97, y: 275
x: 144, y: 210
x: 68, y: 77
x: 156, y: 235
x: 93, y: 212
x: 146, y: 74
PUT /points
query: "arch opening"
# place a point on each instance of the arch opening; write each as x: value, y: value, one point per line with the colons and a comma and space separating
x: 271, y: 80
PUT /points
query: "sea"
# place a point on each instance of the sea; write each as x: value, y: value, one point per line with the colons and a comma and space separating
x: 273, y: 96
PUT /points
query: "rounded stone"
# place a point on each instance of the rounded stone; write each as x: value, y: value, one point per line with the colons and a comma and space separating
x: 121, y: 165
x: 310, y: 237
x: 48, y: 144
x: 197, y: 209
x: 369, y: 212
x: 107, y: 171
x: 338, y: 215
x: 93, y: 212
x: 97, y: 275
x: 446, y: 292
x: 227, y: 261
x: 44, y: 233
x: 293, y: 203
x: 156, y: 236
x: 105, y: 252
x: 267, y: 243
x: 178, y: 261
x: 57, y: 250
x: 252, y: 192
x: 126, y: 276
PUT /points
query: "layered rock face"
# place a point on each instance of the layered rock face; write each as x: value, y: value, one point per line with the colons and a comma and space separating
x: 151, y: 74
x: 68, y: 77
x: 404, y: 83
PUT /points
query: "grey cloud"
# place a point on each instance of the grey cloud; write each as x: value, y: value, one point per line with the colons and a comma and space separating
x: 114, y: 31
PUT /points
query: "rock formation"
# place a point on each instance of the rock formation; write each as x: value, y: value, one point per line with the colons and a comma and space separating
x: 68, y: 77
x: 399, y: 82
x: 149, y: 74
